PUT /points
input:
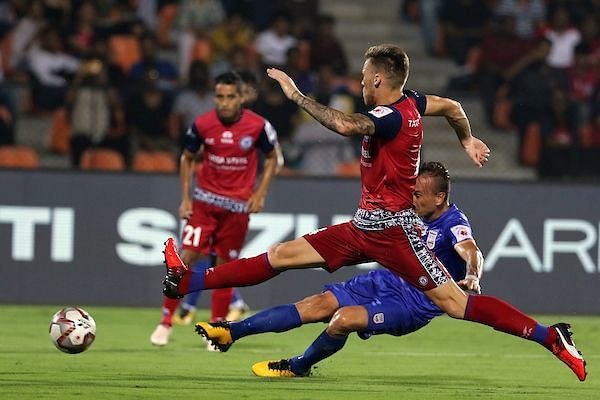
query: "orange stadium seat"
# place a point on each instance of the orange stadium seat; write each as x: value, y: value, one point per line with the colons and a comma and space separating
x: 60, y: 132
x: 102, y: 159
x: 532, y: 145
x: 154, y: 161
x: 351, y: 169
x: 125, y: 50
x: 18, y: 157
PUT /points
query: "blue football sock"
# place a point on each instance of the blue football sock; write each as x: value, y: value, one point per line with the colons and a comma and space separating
x: 192, y: 299
x: 276, y: 319
x: 540, y: 334
x: 324, y: 346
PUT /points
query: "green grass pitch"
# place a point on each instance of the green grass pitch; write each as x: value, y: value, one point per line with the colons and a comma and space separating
x: 446, y: 360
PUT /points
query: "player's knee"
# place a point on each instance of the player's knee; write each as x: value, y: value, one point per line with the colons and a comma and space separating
x: 281, y: 255
x: 341, y: 323
x: 315, y: 308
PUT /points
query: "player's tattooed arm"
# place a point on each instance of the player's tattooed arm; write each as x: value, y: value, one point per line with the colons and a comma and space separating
x: 337, y: 121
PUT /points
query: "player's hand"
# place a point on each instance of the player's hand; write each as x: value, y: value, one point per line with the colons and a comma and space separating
x: 477, y: 151
x: 287, y: 84
x: 185, y: 209
x: 470, y: 284
x: 256, y: 203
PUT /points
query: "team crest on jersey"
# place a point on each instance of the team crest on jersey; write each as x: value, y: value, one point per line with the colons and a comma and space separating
x: 209, y: 141
x: 431, y: 236
x: 227, y: 137
x: 380, y: 111
x: 246, y: 142
x: 233, y: 254
x: 379, y: 318
x: 461, y: 232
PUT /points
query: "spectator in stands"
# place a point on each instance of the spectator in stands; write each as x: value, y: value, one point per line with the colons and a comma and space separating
x: 249, y: 88
x: 563, y: 38
x: 273, y: 44
x: 95, y: 115
x: 501, y: 48
x: 532, y: 83
x: 50, y: 69
x: 429, y: 10
x: 529, y: 15
x: 304, y: 78
x: 158, y: 69
x: 194, y: 21
x: 7, y: 118
x: 590, y: 139
x: 82, y: 32
x: 233, y: 32
x: 319, y: 151
x: 195, y: 99
x: 24, y: 33
x: 559, y: 151
x: 325, y: 48
x: 463, y: 23
x: 147, y: 116
x: 583, y: 81
x: 273, y: 106
x: 590, y: 40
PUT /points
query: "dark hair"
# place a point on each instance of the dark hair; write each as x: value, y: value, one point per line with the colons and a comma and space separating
x: 230, y: 78
x: 437, y: 170
x: 391, y: 59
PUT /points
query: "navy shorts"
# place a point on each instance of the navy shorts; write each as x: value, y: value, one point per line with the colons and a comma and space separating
x: 394, y: 306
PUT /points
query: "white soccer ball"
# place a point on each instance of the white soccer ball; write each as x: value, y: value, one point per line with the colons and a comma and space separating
x: 72, y: 330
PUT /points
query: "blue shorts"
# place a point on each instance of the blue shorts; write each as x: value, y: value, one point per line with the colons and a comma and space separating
x: 394, y: 306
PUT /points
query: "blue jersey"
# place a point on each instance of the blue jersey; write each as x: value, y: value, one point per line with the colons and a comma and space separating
x: 395, y: 307
x: 443, y: 233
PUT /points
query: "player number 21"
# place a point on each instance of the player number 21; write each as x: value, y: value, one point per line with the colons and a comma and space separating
x: 191, y: 236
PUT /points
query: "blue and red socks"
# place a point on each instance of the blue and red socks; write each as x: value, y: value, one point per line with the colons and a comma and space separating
x: 503, y: 317
x: 276, y: 319
x: 237, y: 273
x: 324, y: 346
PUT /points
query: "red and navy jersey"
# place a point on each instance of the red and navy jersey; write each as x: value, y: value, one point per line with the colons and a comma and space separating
x: 230, y: 160
x: 390, y: 157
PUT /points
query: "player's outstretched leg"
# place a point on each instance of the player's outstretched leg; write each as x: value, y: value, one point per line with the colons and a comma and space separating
x: 565, y: 350
x: 324, y: 346
x: 180, y: 281
x: 276, y: 369
x: 502, y: 316
x: 276, y: 319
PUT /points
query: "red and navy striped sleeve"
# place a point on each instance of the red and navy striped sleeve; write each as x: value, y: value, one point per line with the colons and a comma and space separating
x: 420, y: 100
x: 267, y: 139
x: 387, y: 120
x: 192, y: 140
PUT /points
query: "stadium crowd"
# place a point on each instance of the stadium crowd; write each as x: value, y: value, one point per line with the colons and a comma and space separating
x: 534, y: 63
x: 120, y: 80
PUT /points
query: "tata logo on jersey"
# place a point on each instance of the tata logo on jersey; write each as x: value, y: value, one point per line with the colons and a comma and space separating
x: 227, y: 137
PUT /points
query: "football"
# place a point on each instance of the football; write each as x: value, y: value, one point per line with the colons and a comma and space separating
x: 72, y: 330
